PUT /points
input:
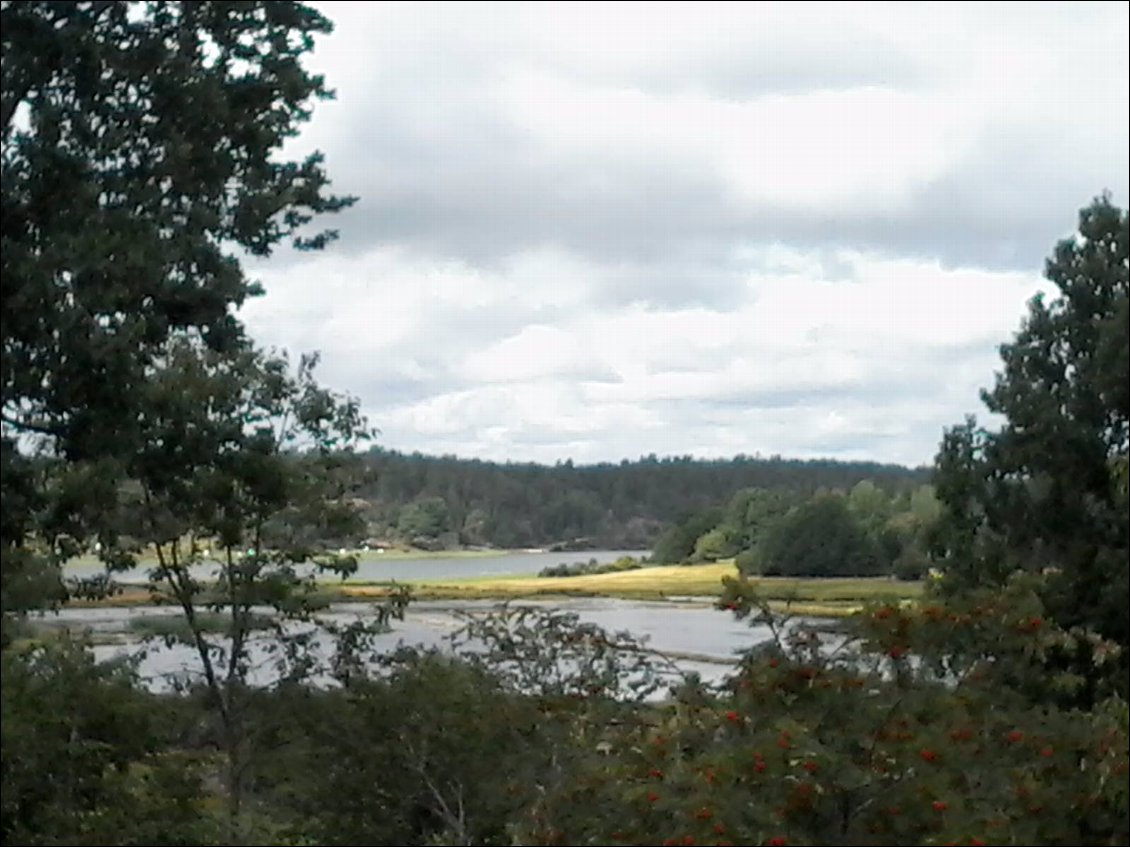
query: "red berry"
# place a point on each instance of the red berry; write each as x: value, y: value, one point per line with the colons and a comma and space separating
x: 940, y: 805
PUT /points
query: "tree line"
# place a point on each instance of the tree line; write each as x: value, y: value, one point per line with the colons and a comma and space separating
x: 444, y: 501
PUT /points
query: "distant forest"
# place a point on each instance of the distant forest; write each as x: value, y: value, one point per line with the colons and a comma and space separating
x: 447, y: 502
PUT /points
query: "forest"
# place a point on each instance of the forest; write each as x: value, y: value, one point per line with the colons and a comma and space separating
x: 437, y: 502
x: 144, y: 427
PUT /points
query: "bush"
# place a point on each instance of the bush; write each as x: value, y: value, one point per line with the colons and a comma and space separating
x: 748, y: 563
x: 624, y: 563
x: 903, y: 735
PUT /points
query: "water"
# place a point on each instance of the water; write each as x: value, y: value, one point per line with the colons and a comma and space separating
x: 698, y: 637
x: 375, y: 567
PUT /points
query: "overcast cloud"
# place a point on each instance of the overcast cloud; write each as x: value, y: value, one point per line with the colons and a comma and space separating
x: 602, y: 231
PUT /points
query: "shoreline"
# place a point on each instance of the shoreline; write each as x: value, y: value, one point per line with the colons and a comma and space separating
x: 834, y: 597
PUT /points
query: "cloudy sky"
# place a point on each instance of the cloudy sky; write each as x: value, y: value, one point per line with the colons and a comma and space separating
x: 602, y: 231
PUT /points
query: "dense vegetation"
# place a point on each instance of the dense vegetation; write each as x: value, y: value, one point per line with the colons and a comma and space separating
x: 864, y: 531
x: 141, y: 144
x: 446, y: 501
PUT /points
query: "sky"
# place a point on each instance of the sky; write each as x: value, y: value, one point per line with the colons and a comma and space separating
x: 597, y: 232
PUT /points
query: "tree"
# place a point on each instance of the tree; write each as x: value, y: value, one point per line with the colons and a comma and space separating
x: 139, y: 152
x: 426, y: 519
x: 677, y: 542
x: 870, y: 505
x: 753, y: 511
x: 713, y: 545
x: 1046, y: 492
x: 240, y: 479
x: 819, y: 538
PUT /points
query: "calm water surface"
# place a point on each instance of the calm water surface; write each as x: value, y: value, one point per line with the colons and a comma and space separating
x: 696, y: 635
x: 375, y: 567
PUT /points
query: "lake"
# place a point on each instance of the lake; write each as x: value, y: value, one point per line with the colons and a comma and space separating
x: 699, y: 637
x: 375, y: 567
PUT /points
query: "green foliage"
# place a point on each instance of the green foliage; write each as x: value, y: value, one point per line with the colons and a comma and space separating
x: 903, y: 731
x: 453, y: 751
x: 819, y: 538
x: 885, y: 531
x: 140, y: 149
x: 592, y: 566
x: 610, y: 506
x: 553, y: 655
x: 426, y: 519
x: 677, y: 542
x: 714, y: 544
x: 437, y: 752
x: 86, y: 757
x: 822, y: 740
x: 748, y: 562
x: 870, y: 505
x: 752, y: 512
x: 219, y: 483
x: 1043, y: 493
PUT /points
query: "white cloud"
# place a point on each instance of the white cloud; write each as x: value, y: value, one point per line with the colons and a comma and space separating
x: 601, y: 231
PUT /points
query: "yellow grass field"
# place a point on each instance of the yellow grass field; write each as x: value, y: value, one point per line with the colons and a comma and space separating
x: 806, y: 596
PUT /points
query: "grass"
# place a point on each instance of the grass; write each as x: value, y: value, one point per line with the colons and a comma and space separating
x: 830, y: 597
